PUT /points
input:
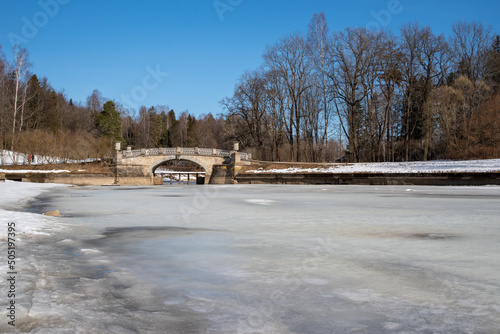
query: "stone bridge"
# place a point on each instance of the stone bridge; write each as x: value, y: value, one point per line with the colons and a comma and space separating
x: 134, y: 165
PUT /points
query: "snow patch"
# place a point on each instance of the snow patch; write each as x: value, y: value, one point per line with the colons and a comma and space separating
x: 31, y: 171
x: 12, y: 193
x: 392, y: 326
x: 317, y: 281
x: 260, y: 201
x: 15, y: 158
x: 90, y: 251
x: 437, y: 166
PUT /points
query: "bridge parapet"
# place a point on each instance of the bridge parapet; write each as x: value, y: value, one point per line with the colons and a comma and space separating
x: 205, y: 151
x: 183, y: 151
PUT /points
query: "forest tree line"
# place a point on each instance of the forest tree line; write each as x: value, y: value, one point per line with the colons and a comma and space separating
x: 36, y: 119
x: 377, y: 95
x: 355, y: 94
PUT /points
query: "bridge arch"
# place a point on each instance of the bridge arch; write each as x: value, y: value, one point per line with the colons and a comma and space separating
x: 207, y: 163
x: 206, y: 167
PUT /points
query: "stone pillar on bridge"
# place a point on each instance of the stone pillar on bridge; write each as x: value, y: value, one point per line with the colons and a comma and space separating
x: 118, y: 153
x: 117, y: 159
x: 235, y: 155
x: 235, y: 158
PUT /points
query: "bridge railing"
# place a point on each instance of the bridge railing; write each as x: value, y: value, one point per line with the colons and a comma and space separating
x: 182, y: 150
x: 245, y: 156
x: 205, y: 151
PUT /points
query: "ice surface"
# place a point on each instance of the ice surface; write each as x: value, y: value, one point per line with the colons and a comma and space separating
x: 262, y: 259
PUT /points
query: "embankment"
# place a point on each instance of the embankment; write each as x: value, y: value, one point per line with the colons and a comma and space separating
x: 225, y: 176
x: 90, y: 179
x: 435, y: 179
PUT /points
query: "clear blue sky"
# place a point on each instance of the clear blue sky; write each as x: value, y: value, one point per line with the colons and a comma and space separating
x: 113, y: 45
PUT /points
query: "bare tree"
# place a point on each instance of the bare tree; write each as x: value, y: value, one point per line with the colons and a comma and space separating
x: 471, y: 43
x: 444, y: 105
x: 313, y: 135
x: 276, y: 121
x: 95, y: 102
x: 411, y: 115
x: 248, y: 103
x: 319, y: 45
x: 289, y: 60
x: 389, y: 80
x: 5, y: 109
x: 351, y: 61
x: 493, y: 65
x: 433, y: 55
x: 21, y: 69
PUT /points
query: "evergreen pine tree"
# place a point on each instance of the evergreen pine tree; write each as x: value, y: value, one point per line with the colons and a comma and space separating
x: 108, y: 122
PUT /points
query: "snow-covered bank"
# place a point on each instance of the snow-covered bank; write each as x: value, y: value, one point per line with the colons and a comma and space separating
x: 26, y: 231
x: 23, y: 171
x: 15, y: 158
x: 12, y: 193
x: 437, y: 166
x: 61, y: 285
x: 13, y: 196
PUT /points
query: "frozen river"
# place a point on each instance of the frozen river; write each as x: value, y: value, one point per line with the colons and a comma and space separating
x: 262, y: 259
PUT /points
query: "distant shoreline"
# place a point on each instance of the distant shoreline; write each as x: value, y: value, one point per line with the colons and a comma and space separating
x: 436, y: 172
x: 376, y: 179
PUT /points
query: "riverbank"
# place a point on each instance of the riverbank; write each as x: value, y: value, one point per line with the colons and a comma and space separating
x: 441, y: 172
x: 392, y: 179
x: 23, y: 235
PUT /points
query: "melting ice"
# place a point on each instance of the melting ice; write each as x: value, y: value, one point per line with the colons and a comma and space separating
x: 260, y: 259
